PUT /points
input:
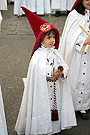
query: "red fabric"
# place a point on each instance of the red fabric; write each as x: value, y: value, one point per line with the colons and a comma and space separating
x: 76, y: 3
x: 35, y: 22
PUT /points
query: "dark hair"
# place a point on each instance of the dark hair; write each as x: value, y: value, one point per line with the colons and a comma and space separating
x: 49, y: 32
x: 80, y: 8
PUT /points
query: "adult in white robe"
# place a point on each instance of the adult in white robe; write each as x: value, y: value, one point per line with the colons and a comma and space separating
x: 3, y: 127
x: 72, y: 49
x: 35, y: 112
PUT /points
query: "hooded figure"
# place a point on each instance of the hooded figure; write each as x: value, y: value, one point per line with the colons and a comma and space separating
x: 72, y: 45
x: 47, y: 105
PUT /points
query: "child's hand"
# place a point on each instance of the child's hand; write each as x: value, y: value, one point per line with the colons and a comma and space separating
x: 87, y: 41
x: 57, y: 73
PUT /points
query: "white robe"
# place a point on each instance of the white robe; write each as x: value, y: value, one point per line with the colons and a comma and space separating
x: 35, y: 112
x: 3, y: 127
x: 3, y: 4
x: 60, y: 5
x: 72, y: 50
x: 43, y: 7
x: 17, y: 7
x: 31, y: 5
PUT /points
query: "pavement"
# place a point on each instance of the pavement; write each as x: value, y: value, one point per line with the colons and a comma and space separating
x: 16, y: 42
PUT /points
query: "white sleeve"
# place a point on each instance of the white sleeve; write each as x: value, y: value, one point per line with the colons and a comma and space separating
x: 80, y: 43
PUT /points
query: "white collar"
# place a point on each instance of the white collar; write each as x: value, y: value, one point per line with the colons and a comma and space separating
x: 47, y: 48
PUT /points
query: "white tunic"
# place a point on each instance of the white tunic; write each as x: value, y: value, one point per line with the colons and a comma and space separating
x: 3, y: 127
x: 35, y: 112
x: 72, y: 50
x: 3, y: 4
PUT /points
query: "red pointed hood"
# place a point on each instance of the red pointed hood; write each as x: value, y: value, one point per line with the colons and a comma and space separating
x: 76, y: 3
x: 40, y: 27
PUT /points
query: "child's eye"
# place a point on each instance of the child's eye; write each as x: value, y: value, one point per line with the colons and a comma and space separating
x: 53, y: 36
x: 48, y: 37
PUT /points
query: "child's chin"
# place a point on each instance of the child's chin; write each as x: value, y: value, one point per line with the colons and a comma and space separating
x: 51, y: 46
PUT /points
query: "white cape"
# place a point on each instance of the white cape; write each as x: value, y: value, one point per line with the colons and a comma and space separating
x: 35, y: 115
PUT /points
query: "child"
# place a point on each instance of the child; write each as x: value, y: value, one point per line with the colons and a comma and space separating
x: 46, y: 108
x: 73, y: 43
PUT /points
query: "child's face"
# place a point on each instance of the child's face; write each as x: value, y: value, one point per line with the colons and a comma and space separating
x: 49, y: 40
x: 86, y: 4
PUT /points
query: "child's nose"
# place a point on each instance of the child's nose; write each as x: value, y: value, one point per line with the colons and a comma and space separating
x: 53, y: 39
